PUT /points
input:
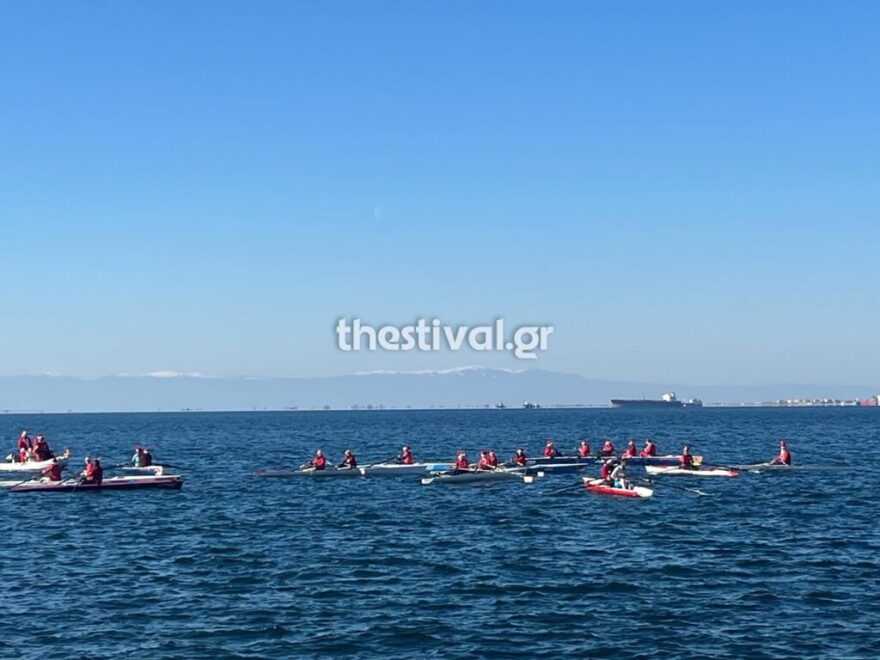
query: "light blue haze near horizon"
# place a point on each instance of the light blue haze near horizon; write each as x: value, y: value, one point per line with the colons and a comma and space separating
x: 687, y: 191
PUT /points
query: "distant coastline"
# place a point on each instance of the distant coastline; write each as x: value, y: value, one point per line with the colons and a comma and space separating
x: 458, y: 389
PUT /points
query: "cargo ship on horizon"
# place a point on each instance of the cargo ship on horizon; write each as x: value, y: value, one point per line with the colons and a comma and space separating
x: 667, y: 400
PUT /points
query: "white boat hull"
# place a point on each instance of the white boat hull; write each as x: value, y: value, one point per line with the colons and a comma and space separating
x: 32, y: 466
x: 658, y: 470
x: 477, y: 476
x: 392, y: 469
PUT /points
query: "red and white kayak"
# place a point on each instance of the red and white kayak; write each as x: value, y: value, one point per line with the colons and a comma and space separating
x: 693, y: 472
x: 113, y: 483
x: 597, y: 486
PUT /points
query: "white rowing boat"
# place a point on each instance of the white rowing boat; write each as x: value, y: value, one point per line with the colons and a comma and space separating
x: 155, y: 470
x: 478, y: 476
x: 694, y: 472
x: 392, y: 469
x: 32, y: 466
x: 173, y: 482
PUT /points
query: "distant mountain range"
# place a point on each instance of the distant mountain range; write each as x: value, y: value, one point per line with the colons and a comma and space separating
x: 450, y: 388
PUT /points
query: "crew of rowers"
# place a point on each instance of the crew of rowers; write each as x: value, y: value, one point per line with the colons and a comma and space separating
x: 349, y: 460
x: 141, y: 457
x: 37, y: 450
x: 92, y: 472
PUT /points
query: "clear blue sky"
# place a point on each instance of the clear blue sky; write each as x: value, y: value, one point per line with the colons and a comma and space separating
x: 688, y: 191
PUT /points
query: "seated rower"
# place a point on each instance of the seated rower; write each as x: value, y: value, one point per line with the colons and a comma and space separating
x: 783, y: 457
x: 24, y: 442
x: 98, y: 474
x: 605, y: 471
x: 137, y: 457
x: 93, y: 472
x: 41, y: 449
x: 25, y: 455
x: 519, y: 458
x: 607, y: 448
x: 649, y: 450
x: 631, y: 450
x: 483, y: 461
x: 406, y: 456
x: 52, y: 472
x: 493, y: 459
x: 686, y: 461
x: 584, y: 449
x: 618, y: 476
x: 461, y: 463
x: 549, y: 450
x: 146, y: 457
x: 349, y: 462
x: 319, y: 462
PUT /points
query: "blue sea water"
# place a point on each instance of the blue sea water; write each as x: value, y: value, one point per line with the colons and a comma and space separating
x: 769, y: 565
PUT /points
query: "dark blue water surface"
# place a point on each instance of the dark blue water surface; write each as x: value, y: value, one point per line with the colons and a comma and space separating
x: 770, y: 565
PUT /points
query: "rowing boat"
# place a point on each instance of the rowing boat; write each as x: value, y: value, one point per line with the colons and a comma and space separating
x: 669, y: 460
x: 696, y: 472
x: 149, y: 469
x: 113, y: 483
x: 33, y: 466
x: 477, y: 476
x: 393, y: 469
x: 309, y: 472
x: 600, y: 487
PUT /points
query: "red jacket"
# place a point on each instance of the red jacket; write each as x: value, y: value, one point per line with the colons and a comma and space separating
x: 461, y: 463
x: 484, y: 463
x: 584, y: 450
x: 608, y: 448
x: 686, y: 460
x: 319, y: 462
x: 520, y: 459
x: 550, y: 451
x: 53, y: 472
x: 649, y: 450
x: 406, y: 457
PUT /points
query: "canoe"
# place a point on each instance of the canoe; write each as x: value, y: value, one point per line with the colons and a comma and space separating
x: 478, y: 476
x: 309, y: 472
x: 596, y: 486
x: 393, y: 469
x: 32, y: 466
x: 698, y: 472
x: 113, y: 483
